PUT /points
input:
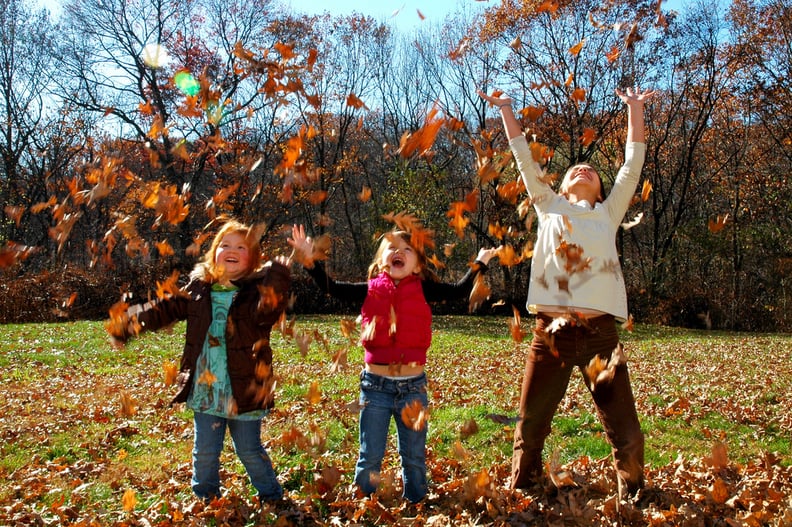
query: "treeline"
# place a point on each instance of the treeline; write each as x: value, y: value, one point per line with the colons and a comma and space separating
x: 131, y: 127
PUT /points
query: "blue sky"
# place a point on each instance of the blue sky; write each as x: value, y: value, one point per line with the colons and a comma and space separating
x: 401, y: 13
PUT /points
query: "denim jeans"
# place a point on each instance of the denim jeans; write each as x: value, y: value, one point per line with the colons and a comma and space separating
x: 382, y: 398
x: 547, y: 373
x: 246, y: 436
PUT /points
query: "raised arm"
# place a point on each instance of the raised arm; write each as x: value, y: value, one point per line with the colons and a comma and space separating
x: 635, y: 99
x: 504, y: 104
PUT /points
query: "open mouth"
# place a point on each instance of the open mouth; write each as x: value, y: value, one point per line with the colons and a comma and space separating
x: 397, y: 262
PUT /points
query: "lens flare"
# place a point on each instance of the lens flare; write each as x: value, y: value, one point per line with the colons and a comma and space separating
x: 155, y: 56
x: 187, y: 83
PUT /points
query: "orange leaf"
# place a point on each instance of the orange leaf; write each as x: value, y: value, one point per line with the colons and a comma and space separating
x: 365, y: 194
x: 128, y: 500
x: 578, y: 95
x: 129, y: 406
x: 480, y: 292
x: 517, y: 332
x: 353, y: 101
x: 164, y: 248
x: 170, y: 372
x: 717, y: 225
x: 532, y: 113
x: 646, y: 190
x: 575, y: 50
x: 314, y: 394
x: 414, y: 415
x: 613, y: 54
x: 588, y: 136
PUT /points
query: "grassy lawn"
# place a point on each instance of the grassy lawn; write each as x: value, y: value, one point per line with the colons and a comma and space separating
x: 69, y: 454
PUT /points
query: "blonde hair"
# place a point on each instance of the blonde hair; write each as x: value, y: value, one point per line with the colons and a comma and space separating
x: 251, y: 241
x: 564, y: 188
x: 385, y: 240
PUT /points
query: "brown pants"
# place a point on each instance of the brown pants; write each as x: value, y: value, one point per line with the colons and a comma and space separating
x: 544, y: 385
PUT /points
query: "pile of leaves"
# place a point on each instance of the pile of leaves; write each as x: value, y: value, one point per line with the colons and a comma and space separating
x: 88, y: 439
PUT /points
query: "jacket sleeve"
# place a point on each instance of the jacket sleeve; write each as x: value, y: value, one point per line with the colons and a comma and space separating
x: 350, y: 291
x: 150, y: 316
x: 441, y: 291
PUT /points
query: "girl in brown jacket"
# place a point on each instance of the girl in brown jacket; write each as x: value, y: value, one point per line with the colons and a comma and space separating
x: 230, y: 305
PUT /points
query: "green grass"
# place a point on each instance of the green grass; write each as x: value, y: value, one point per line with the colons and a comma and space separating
x: 62, y: 385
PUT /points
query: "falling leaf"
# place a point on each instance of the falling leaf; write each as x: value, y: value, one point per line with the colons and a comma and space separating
x: 501, y: 419
x: 392, y: 321
x: 314, y: 395
x: 516, y: 44
x: 353, y: 101
x: 480, y: 292
x: 517, y: 333
x: 532, y: 113
x: 719, y: 491
x: 717, y: 225
x: 575, y: 50
x: 719, y: 458
x: 578, y: 95
x: 628, y: 324
x: 507, y: 256
x: 129, y: 405
x: 170, y: 373
x: 646, y: 190
x: 129, y: 500
x: 560, y: 477
x: 164, y: 248
x: 14, y: 212
x: 632, y: 37
x: 414, y: 415
x: 365, y: 194
x: 589, y: 134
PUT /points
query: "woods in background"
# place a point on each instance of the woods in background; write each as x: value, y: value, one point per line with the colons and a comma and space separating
x: 131, y: 125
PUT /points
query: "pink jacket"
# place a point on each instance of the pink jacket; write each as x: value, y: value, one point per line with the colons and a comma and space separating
x: 404, y: 340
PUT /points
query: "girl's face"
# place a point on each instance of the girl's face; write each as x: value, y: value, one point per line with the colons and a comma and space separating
x: 583, y: 182
x: 399, y: 259
x: 232, y: 257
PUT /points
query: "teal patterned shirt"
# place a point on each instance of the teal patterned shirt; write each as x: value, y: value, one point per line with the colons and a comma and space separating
x: 211, y: 391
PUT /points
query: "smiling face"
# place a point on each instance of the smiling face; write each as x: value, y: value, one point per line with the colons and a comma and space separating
x: 398, y: 258
x: 232, y: 257
x: 581, y: 182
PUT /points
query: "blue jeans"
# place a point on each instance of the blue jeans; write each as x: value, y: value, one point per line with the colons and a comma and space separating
x: 381, y: 399
x: 246, y: 436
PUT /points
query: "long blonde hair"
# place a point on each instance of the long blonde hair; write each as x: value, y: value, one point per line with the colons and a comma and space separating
x: 385, y: 240
x: 251, y: 237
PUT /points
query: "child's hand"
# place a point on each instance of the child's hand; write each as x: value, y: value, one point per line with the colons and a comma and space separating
x: 631, y: 96
x: 303, y: 246
x: 485, y: 255
x: 502, y: 100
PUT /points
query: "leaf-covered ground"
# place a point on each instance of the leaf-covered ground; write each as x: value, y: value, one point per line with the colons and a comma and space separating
x: 87, y: 437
